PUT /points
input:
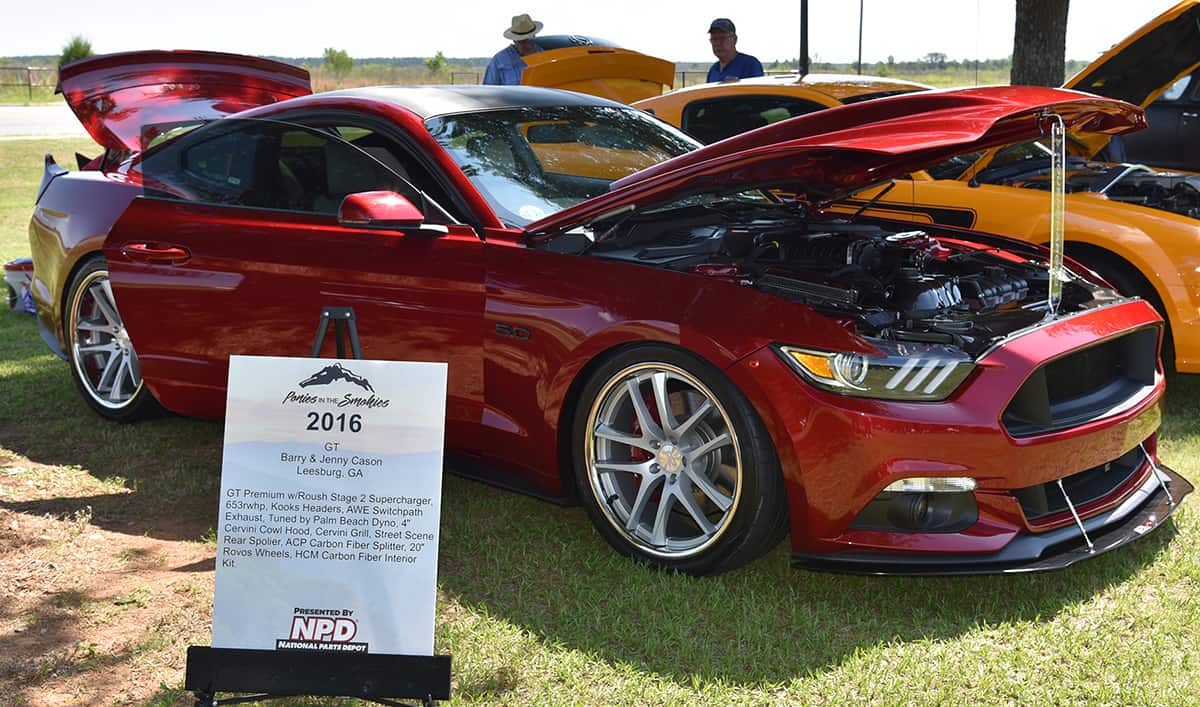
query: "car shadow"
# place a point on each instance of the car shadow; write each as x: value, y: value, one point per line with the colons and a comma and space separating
x: 759, y: 625
x: 543, y: 568
x: 159, y: 477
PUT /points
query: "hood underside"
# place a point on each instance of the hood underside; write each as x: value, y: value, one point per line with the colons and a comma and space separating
x: 124, y: 99
x: 827, y: 154
x: 1147, y: 62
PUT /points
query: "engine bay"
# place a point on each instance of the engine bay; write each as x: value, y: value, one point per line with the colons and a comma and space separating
x: 1134, y: 184
x: 902, y: 285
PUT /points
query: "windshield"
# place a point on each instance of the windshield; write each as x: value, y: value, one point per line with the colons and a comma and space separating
x: 529, y: 163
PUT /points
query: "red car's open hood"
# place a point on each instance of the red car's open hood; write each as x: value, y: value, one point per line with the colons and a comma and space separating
x: 1143, y: 65
x: 115, y: 95
x: 825, y: 155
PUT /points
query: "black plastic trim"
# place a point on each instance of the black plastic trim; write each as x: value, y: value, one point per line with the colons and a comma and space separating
x: 1058, y: 396
x: 1143, y: 512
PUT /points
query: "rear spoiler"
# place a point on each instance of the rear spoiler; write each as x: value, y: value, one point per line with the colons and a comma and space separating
x: 51, y: 172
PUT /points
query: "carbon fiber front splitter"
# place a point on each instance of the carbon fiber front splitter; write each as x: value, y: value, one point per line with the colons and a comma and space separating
x: 1144, y: 511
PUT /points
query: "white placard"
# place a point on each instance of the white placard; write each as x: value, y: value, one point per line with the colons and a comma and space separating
x: 331, y: 488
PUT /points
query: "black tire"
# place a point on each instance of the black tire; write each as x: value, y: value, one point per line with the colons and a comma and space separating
x: 103, y: 362
x: 1132, y: 283
x: 715, y: 471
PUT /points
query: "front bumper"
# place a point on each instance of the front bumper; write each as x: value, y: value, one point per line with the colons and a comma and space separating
x: 838, y: 453
x: 1142, y: 512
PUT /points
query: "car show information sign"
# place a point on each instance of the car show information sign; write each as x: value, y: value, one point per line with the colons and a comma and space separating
x: 331, y: 486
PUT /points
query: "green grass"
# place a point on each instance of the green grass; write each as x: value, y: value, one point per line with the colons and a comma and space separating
x: 21, y: 95
x: 21, y: 167
x: 536, y: 609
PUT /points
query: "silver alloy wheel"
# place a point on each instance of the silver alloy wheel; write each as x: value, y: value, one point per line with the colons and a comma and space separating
x: 101, y: 352
x: 663, y: 460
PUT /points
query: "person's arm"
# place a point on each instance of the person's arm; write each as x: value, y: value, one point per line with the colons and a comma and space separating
x: 491, y: 76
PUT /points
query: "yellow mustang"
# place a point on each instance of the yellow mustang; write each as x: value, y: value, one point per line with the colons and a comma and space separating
x: 715, y: 111
x: 1136, y: 226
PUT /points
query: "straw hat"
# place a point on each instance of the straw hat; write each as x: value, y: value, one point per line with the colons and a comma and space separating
x: 523, y: 27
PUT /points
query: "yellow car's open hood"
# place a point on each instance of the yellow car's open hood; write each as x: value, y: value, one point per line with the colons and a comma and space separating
x: 1146, y: 63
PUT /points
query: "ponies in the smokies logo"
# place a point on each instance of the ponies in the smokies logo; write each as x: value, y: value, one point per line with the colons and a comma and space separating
x: 329, y: 375
x: 336, y: 372
x: 322, y: 630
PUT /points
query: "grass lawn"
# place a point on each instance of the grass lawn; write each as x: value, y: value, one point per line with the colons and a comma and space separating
x: 106, y: 551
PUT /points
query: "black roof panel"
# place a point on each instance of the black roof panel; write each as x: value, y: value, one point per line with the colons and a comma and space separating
x: 429, y: 101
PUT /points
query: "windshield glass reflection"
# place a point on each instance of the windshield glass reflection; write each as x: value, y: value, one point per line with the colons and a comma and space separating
x: 529, y: 163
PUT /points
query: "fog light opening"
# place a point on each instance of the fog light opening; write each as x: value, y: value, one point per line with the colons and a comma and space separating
x: 909, y: 511
x: 919, y: 512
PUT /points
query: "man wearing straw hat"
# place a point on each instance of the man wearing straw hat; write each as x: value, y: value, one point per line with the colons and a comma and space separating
x: 506, y: 67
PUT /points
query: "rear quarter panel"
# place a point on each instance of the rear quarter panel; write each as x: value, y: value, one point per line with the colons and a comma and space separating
x: 69, y: 224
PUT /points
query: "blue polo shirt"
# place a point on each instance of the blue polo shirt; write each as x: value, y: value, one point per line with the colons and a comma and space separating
x: 743, y: 66
x: 506, y: 67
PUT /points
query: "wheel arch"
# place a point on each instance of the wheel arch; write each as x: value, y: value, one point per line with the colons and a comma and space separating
x: 613, y: 344
x: 1131, y: 265
x: 81, y: 258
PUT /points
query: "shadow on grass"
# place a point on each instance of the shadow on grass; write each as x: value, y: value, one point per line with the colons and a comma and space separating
x: 159, y: 477
x: 543, y: 568
x: 763, y: 624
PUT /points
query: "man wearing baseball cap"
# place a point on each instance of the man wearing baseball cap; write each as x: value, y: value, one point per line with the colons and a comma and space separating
x: 506, y: 67
x: 730, y: 63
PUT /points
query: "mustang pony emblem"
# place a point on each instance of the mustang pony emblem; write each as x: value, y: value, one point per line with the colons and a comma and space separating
x: 329, y: 374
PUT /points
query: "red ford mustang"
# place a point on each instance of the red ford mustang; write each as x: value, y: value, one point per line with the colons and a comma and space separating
x: 630, y: 322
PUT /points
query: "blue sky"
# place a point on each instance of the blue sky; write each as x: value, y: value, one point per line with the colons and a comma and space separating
x: 905, y: 29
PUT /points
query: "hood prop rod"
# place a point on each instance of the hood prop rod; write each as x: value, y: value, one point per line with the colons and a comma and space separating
x: 1058, y: 171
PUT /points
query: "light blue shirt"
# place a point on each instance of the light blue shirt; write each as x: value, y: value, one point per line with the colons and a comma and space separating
x: 506, y: 67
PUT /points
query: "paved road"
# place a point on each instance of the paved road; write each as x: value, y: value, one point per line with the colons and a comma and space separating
x: 55, y: 119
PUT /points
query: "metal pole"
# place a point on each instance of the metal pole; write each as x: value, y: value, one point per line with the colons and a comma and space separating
x: 860, y: 24
x: 803, y: 67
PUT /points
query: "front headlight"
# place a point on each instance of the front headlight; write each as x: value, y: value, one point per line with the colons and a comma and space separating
x: 902, y: 371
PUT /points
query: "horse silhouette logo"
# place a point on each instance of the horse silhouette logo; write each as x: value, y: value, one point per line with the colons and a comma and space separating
x: 329, y: 374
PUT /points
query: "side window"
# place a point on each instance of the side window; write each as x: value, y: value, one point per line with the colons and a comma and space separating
x: 268, y: 165
x: 219, y: 169
x: 718, y: 118
x: 1178, y: 89
x: 954, y: 167
x: 398, y: 160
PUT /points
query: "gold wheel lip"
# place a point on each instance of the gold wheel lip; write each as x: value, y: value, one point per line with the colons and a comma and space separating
x: 590, y: 451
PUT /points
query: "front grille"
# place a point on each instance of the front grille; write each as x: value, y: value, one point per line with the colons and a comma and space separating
x: 1084, y: 385
x: 1085, y: 487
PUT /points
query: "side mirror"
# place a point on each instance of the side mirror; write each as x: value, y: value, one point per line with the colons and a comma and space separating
x: 383, y: 209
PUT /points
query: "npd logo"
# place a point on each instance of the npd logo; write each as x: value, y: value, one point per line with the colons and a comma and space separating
x: 322, y: 630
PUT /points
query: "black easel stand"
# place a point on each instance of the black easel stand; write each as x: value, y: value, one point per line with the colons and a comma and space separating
x: 276, y: 674
x: 269, y: 674
x: 343, y: 323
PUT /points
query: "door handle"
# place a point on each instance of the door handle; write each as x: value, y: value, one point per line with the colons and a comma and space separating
x: 1190, y: 114
x: 161, y: 253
